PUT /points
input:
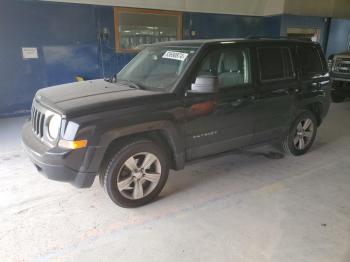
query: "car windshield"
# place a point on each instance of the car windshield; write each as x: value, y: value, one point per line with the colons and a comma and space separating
x: 157, y: 67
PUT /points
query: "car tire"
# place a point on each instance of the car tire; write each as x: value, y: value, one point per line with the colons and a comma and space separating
x: 301, y: 134
x: 337, y: 98
x: 135, y: 173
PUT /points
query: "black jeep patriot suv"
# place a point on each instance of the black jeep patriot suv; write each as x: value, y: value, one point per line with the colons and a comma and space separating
x: 173, y: 103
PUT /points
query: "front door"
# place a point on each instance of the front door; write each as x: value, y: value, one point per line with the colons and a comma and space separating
x: 222, y: 121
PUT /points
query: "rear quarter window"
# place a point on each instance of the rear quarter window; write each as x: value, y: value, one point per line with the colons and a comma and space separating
x: 310, y: 60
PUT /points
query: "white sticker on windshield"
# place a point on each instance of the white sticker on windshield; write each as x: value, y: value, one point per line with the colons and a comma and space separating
x: 175, y: 55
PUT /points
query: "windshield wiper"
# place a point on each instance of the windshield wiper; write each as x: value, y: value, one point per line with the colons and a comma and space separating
x: 112, y: 79
x: 130, y: 83
x: 127, y: 82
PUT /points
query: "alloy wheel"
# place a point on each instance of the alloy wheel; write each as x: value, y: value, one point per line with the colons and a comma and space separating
x: 304, y: 133
x: 139, y: 175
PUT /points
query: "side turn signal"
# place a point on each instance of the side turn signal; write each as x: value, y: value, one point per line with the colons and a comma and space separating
x: 73, y: 144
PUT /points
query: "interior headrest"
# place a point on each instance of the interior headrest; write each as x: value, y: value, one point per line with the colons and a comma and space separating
x: 231, y: 62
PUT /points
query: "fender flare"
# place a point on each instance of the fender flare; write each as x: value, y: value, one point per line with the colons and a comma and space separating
x: 172, y: 133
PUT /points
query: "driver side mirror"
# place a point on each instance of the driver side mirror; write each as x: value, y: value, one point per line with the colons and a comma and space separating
x: 205, y: 85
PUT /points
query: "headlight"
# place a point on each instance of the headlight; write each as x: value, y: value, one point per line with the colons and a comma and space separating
x: 54, y: 126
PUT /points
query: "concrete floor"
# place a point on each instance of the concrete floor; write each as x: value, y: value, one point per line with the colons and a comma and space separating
x: 243, y: 207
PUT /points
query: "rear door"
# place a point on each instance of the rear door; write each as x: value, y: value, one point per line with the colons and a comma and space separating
x: 278, y: 85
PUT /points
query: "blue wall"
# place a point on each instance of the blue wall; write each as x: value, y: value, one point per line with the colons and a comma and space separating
x: 66, y: 36
x: 204, y: 25
x: 304, y: 22
x: 110, y: 61
x: 220, y: 26
x: 338, y: 36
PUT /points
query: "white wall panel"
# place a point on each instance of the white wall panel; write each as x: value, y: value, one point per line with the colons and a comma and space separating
x: 309, y: 7
x: 329, y: 8
x: 238, y: 7
x: 342, y: 9
x: 326, y: 8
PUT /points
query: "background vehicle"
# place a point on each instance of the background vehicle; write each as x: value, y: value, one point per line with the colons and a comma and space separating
x: 339, y: 67
x: 176, y: 102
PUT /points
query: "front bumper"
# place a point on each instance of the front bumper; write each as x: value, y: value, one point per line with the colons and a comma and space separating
x: 341, y: 79
x: 71, y: 166
x: 336, y: 76
x: 341, y: 84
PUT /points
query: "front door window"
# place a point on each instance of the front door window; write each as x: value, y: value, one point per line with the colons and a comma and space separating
x: 230, y: 66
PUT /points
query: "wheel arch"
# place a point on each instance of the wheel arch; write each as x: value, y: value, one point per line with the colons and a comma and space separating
x: 317, y: 109
x: 164, y: 133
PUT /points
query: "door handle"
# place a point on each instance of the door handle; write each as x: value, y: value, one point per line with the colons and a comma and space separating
x: 237, y: 102
x: 250, y: 97
x: 293, y: 90
x: 244, y: 99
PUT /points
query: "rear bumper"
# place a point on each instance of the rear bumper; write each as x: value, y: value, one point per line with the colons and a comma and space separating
x: 59, y: 164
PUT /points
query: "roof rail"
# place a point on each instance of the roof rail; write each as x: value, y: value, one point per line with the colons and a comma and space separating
x: 263, y: 37
x: 278, y: 37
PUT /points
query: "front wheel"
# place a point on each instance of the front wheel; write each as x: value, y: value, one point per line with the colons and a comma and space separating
x: 301, y: 135
x: 136, y: 173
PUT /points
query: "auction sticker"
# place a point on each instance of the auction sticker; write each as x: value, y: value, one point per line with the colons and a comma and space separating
x: 175, y: 55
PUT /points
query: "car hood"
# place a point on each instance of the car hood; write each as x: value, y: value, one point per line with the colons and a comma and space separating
x: 86, y: 97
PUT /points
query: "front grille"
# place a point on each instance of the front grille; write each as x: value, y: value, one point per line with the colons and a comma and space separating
x: 38, y: 121
x: 342, y: 65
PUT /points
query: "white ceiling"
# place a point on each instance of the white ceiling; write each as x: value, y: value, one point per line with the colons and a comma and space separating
x: 239, y: 7
x: 327, y: 8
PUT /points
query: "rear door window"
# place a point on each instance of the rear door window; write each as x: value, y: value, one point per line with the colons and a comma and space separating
x: 288, y: 63
x: 275, y: 63
x: 311, y: 63
x: 271, y: 63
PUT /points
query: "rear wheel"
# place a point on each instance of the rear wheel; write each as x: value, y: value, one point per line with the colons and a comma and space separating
x: 136, y: 173
x: 301, y: 135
